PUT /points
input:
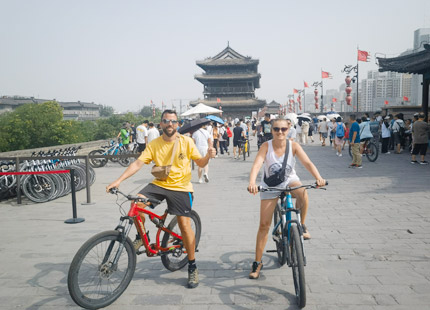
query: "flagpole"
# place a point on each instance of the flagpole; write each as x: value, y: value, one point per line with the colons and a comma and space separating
x: 304, y: 99
x: 357, y: 79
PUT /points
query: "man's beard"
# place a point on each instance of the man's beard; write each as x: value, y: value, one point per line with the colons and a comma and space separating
x: 171, y: 133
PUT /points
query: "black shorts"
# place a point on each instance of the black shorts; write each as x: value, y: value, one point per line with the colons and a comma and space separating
x: 141, y: 147
x: 236, y: 143
x: 178, y: 203
x: 419, y: 148
x: 397, y: 139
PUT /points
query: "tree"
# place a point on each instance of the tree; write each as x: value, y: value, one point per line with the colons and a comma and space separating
x: 106, y: 111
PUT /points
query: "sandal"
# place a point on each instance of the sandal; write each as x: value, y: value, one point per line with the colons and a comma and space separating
x: 256, y: 268
x: 306, y: 234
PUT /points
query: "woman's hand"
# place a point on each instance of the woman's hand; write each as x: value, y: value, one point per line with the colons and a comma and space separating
x: 321, y: 182
x: 253, y: 188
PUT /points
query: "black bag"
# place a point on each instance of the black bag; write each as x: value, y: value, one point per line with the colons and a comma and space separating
x: 278, y: 177
x: 225, y: 135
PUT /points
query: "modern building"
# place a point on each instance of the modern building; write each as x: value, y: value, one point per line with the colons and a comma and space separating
x: 421, y: 37
x: 229, y: 81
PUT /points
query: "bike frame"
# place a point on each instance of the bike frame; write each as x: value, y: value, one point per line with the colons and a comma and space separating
x: 134, y: 216
x: 286, y: 220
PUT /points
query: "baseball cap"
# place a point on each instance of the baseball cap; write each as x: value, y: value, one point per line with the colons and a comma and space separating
x: 387, y: 117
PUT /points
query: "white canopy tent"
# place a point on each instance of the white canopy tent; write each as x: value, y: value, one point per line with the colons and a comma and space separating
x: 201, y: 109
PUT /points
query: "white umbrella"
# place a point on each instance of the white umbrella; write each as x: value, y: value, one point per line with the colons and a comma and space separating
x: 322, y: 117
x: 332, y: 115
x: 292, y: 117
x: 304, y: 117
x: 201, y: 109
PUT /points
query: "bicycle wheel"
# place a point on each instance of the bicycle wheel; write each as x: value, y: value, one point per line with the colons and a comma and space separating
x: 244, y: 151
x: 177, y: 258
x: 93, y: 281
x: 372, y: 152
x: 124, y: 161
x: 297, y: 264
x: 281, y: 238
x: 97, y: 162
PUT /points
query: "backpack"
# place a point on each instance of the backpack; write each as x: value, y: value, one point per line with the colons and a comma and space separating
x: 401, y: 129
x: 225, y: 135
x: 229, y: 133
x: 340, y: 131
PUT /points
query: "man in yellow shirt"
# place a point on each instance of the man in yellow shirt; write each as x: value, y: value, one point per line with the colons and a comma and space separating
x: 177, y: 188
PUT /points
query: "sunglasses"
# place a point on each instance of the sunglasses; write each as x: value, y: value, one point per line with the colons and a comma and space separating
x: 277, y: 129
x: 167, y: 121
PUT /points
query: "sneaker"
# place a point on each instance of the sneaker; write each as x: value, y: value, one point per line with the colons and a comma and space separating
x: 193, y: 278
x: 256, y: 268
x: 424, y: 162
x: 205, y: 176
x: 414, y: 162
x: 337, y: 153
x: 306, y: 234
x: 137, y: 243
x: 228, y: 153
x: 340, y: 154
x: 201, y: 181
x: 359, y: 166
x: 352, y: 166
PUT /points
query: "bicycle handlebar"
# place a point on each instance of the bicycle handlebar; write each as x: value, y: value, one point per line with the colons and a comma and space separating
x: 289, y: 189
x: 116, y: 191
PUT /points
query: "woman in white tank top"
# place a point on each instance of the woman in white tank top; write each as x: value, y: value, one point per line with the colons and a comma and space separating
x: 271, y: 155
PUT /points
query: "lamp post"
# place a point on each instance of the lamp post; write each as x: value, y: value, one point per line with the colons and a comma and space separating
x: 348, y: 69
x: 299, y: 99
x: 316, y: 84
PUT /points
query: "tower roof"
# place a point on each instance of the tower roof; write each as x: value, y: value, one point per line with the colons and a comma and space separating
x: 227, y: 57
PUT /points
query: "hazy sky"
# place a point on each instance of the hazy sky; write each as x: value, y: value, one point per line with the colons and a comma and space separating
x: 125, y: 53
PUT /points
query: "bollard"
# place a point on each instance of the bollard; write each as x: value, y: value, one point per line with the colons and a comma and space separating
x: 87, y: 177
x: 75, y: 219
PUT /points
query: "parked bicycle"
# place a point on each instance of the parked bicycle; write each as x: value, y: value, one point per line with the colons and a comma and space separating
x: 114, y: 148
x: 370, y: 149
x: 288, y: 236
x: 104, y: 266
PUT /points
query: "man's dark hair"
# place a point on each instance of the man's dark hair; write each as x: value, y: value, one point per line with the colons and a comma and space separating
x: 364, y: 118
x: 146, y: 121
x: 151, y: 124
x: 267, y: 114
x: 353, y: 117
x: 168, y: 112
x: 421, y: 115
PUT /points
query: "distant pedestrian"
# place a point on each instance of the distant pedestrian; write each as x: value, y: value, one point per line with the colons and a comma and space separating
x: 238, y: 135
x: 354, y: 140
x: 365, y: 133
x: 142, y: 136
x: 330, y: 131
x: 203, y: 140
x: 124, y: 135
x: 153, y: 133
x: 420, y: 132
x: 266, y: 127
x: 322, y: 129
x: 398, y: 128
x: 299, y: 132
x: 215, y: 134
x: 385, y: 135
x: 339, y: 130
x: 222, y: 138
x: 305, y: 131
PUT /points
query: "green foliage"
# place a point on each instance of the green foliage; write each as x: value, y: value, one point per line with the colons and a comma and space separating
x: 41, y: 125
x: 106, y: 111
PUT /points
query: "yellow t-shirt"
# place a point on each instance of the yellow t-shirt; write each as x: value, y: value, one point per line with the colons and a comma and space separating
x: 160, y: 152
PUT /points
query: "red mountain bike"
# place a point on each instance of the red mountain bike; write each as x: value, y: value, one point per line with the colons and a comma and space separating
x: 104, y: 265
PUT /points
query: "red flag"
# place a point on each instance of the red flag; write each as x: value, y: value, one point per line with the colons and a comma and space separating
x: 295, y: 91
x: 386, y: 101
x: 405, y: 98
x: 363, y: 56
x: 218, y: 100
x: 326, y: 75
x: 306, y: 84
x: 334, y: 100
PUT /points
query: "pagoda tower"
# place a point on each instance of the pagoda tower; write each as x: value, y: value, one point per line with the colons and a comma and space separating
x: 229, y: 83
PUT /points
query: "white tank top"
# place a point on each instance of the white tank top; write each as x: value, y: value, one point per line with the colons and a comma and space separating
x: 272, y: 164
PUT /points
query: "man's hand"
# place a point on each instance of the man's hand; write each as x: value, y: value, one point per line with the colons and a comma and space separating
x: 112, y: 185
x: 211, y: 152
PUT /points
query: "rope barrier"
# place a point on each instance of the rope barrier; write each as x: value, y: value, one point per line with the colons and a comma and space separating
x: 34, y: 172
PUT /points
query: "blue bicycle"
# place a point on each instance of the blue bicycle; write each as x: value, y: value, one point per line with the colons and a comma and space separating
x: 288, y: 236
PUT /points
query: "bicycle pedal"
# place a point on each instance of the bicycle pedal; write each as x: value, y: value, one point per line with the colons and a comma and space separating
x: 271, y: 251
x: 140, y: 252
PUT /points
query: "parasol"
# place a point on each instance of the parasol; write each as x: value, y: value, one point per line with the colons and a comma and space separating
x: 292, y: 117
x: 193, y: 125
x: 215, y: 119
